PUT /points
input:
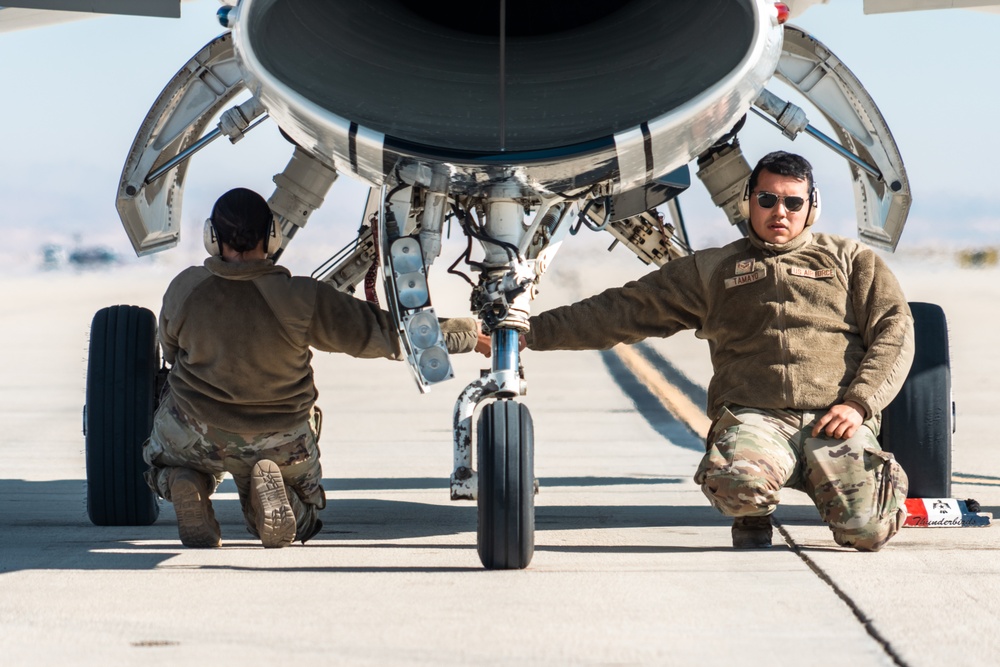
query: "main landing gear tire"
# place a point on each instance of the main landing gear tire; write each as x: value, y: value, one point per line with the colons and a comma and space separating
x: 506, y: 536
x: 917, y: 426
x: 118, y: 417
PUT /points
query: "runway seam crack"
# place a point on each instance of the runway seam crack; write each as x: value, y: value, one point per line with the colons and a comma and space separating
x: 866, y: 622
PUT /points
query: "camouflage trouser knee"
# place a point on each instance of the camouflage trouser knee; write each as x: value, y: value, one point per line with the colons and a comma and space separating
x: 859, y: 490
x: 178, y: 441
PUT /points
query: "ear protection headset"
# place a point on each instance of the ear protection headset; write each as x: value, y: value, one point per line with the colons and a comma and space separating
x: 811, y: 217
x: 213, y: 245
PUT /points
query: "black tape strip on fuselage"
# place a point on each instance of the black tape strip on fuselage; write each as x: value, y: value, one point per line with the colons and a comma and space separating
x: 352, y: 147
x: 647, y: 149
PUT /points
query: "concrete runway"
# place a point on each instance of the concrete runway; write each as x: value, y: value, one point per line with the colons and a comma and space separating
x: 631, y: 565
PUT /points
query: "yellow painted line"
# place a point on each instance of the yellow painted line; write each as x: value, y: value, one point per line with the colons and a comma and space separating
x: 978, y: 480
x: 672, y: 398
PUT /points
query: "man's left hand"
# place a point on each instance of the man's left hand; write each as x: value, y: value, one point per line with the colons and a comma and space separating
x: 841, y: 421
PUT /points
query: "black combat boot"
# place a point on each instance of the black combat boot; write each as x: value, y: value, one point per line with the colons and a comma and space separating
x: 752, y: 532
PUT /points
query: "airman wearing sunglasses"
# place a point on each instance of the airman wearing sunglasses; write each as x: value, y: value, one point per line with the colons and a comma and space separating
x: 810, y: 338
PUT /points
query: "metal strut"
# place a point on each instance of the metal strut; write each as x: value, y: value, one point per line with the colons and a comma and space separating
x: 791, y: 120
x: 464, y: 480
x: 502, y: 381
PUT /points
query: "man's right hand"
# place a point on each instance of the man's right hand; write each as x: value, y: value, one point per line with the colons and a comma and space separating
x: 484, y: 342
x: 841, y: 421
x: 484, y: 345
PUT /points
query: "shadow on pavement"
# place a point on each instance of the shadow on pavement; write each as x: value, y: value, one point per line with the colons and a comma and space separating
x: 45, y: 524
x: 418, y: 483
x: 364, y: 519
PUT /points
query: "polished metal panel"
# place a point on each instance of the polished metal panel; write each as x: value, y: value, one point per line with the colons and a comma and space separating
x: 434, y: 364
x: 406, y: 256
x: 412, y: 289
x: 423, y: 329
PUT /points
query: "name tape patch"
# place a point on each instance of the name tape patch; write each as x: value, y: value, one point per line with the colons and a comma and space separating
x: 746, y: 278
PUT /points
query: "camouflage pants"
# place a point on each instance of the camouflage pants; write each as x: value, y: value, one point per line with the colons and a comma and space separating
x: 178, y: 441
x: 859, y: 490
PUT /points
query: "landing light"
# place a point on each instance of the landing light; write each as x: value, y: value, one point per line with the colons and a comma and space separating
x: 783, y: 12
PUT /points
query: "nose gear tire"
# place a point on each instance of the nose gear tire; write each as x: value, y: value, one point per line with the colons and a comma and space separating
x: 506, y: 535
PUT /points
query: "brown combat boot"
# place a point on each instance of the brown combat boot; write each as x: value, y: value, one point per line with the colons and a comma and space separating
x: 752, y: 532
x: 274, y: 516
x: 196, y: 521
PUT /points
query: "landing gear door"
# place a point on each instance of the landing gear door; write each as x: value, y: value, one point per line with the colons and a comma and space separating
x: 882, y: 203
x: 150, y: 211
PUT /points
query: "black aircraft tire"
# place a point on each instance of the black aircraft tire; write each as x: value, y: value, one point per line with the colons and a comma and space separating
x: 506, y: 535
x: 917, y: 426
x: 118, y: 417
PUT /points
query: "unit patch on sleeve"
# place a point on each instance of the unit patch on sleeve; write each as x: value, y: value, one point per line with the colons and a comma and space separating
x: 810, y: 273
x: 746, y: 278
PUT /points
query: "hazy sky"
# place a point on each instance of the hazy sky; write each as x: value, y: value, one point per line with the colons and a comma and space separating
x: 75, y: 94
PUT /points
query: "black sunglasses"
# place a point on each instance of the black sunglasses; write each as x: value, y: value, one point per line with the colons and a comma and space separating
x: 769, y: 200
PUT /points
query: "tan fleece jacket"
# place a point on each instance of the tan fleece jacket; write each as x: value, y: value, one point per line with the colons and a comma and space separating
x: 238, y: 338
x: 803, y: 325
